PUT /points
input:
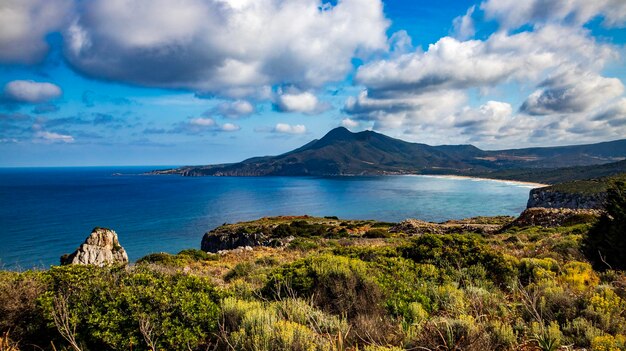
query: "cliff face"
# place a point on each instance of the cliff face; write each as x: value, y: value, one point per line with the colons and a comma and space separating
x: 551, y: 198
x: 100, y: 248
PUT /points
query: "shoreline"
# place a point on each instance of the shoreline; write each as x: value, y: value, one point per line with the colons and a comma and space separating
x: 510, y: 181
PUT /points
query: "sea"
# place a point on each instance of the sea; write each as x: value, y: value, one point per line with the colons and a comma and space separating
x: 46, y: 212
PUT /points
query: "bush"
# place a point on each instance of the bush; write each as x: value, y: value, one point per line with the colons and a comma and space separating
x: 376, y: 233
x: 337, y: 284
x: 452, y: 335
x: 114, y: 308
x: 605, y: 244
x: 609, y: 343
x: 289, y: 324
x: 461, y: 251
x: 239, y: 271
x: 19, y: 314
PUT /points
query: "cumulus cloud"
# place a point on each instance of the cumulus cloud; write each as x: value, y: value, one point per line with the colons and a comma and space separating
x: 296, y: 101
x: 28, y: 91
x: 285, y: 128
x: 514, y: 13
x: 233, y: 109
x: 223, y: 47
x: 454, y: 64
x: 229, y: 127
x: 572, y: 92
x: 463, y: 26
x: 24, y: 25
x: 349, y: 123
x: 425, y: 94
x: 405, y: 111
x: 614, y: 115
x: 486, y: 122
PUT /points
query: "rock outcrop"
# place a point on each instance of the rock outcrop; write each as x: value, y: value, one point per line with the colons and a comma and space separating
x: 550, y: 198
x: 220, y: 240
x: 554, y: 217
x: 416, y: 227
x: 101, y: 248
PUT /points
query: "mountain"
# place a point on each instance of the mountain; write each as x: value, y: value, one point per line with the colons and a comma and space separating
x: 341, y: 152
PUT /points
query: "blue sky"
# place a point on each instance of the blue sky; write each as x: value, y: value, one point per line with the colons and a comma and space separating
x: 131, y: 82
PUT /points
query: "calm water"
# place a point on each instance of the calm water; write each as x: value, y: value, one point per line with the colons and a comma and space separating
x: 45, y: 212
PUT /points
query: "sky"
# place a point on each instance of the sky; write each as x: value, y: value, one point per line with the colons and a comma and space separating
x: 146, y: 82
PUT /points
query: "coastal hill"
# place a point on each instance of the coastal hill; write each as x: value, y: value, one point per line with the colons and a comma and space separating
x: 341, y: 152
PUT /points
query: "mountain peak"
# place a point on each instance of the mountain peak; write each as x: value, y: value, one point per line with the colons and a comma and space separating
x: 338, y: 133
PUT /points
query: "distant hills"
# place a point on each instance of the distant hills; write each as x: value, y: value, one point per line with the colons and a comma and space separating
x: 341, y: 152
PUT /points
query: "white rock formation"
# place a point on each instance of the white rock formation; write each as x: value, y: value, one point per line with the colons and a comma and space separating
x: 101, y: 248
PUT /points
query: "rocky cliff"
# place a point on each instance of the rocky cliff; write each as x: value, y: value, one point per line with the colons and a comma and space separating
x: 549, y: 197
x: 553, y: 217
x: 101, y: 248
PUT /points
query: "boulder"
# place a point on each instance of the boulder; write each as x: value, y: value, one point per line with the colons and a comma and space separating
x: 99, y: 249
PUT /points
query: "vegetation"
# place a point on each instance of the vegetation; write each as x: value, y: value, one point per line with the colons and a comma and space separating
x: 521, y: 288
x: 606, y: 243
x: 576, y: 177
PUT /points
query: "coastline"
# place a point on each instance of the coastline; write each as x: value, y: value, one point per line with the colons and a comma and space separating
x: 509, y: 181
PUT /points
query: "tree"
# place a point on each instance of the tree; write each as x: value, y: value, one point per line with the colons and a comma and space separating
x: 605, y: 244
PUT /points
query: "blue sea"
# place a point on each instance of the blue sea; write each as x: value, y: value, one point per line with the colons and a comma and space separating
x: 46, y: 212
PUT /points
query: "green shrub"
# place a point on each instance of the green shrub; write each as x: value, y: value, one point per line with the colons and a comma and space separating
x: 239, y: 271
x: 336, y: 284
x: 289, y: 324
x: 376, y: 233
x: 605, y: 244
x: 20, y: 316
x: 459, y: 251
x: 107, y: 307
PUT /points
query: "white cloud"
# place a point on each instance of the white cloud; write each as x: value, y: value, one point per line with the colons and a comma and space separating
x: 295, y: 101
x: 614, y: 115
x: 454, y: 64
x: 224, y: 47
x: 425, y: 94
x: 285, y: 128
x: 571, y: 92
x: 515, y: 13
x: 24, y: 25
x: 406, y: 111
x: 230, y: 127
x: 464, y: 25
x: 349, y: 123
x: 29, y: 91
x: 233, y: 109
x: 202, y: 122
x: 51, y: 137
x: 195, y: 126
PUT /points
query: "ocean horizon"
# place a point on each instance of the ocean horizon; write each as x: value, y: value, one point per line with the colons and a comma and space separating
x: 49, y: 211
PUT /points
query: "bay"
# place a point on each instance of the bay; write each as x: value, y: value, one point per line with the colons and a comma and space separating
x: 46, y: 212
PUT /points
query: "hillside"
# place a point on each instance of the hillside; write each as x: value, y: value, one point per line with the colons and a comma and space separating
x: 341, y: 152
x: 335, y: 284
x: 556, y: 175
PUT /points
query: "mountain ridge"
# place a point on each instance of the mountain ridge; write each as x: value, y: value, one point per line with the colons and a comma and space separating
x: 341, y: 152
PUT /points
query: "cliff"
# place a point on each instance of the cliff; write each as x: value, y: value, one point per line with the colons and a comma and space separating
x: 581, y: 194
x: 550, y: 198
